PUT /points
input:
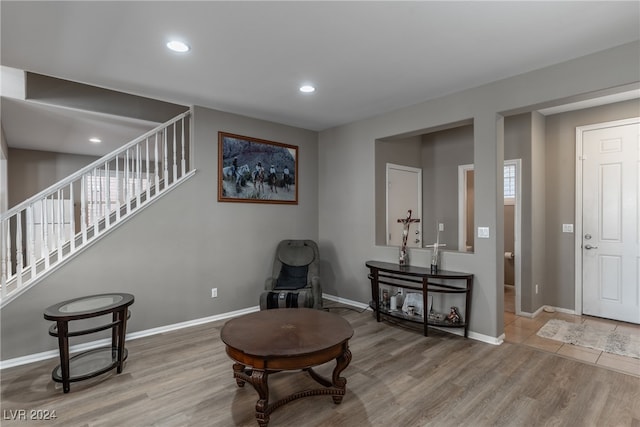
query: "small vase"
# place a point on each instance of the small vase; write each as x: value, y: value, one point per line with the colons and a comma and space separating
x: 434, y: 262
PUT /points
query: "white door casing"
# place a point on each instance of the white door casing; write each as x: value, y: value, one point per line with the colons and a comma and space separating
x: 608, y: 235
x: 404, y: 192
x: 462, y: 226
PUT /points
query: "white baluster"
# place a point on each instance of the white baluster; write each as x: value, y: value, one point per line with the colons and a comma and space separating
x: 95, y: 206
x: 118, y: 199
x: 138, y: 176
x: 72, y: 220
x: 165, y: 150
x: 84, y: 205
x: 147, y: 169
x: 183, y: 160
x: 19, y: 262
x: 51, y: 226
x: 127, y: 196
x: 107, y: 196
x: 44, y: 230
x: 175, y: 159
x: 31, y: 244
x: 9, y: 254
x: 156, y: 167
x: 4, y: 261
x: 60, y: 224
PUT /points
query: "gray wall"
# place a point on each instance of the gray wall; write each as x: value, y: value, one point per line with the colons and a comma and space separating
x: 347, y: 152
x: 172, y: 253
x: 442, y: 153
x: 175, y: 251
x: 32, y: 171
x: 404, y: 151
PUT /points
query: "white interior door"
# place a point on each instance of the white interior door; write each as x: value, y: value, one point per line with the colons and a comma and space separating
x: 404, y: 192
x: 610, y: 218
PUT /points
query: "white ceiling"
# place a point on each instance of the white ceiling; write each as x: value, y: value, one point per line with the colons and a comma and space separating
x: 365, y: 58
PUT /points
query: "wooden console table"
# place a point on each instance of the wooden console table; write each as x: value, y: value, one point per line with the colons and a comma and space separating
x: 419, y: 279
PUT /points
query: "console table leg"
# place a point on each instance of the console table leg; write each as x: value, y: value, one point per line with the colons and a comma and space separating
x: 122, y: 331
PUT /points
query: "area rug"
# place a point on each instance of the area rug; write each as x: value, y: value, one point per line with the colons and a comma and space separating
x: 617, y: 342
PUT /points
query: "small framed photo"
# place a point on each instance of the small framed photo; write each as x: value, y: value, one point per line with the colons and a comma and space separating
x: 253, y: 170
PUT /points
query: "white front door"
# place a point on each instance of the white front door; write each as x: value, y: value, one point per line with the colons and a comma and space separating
x: 404, y: 192
x: 610, y: 221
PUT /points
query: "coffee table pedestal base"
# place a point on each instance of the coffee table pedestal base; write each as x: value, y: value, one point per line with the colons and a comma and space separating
x: 258, y: 379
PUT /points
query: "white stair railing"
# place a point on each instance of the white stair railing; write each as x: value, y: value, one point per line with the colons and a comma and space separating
x: 41, y: 233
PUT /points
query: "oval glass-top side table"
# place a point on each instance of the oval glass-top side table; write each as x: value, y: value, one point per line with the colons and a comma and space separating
x: 97, y: 361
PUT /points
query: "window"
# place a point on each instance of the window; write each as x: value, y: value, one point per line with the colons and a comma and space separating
x: 509, y: 183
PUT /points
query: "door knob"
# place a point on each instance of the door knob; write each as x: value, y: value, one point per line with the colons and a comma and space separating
x: 588, y: 247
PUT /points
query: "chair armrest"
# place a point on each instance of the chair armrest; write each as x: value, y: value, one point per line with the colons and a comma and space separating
x: 316, y: 290
x: 269, y: 284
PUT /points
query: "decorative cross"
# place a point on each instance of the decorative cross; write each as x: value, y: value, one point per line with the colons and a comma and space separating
x: 406, y: 223
x: 436, y: 247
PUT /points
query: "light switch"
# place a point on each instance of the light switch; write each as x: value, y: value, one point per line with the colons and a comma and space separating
x: 483, y: 232
x: 567, y: 228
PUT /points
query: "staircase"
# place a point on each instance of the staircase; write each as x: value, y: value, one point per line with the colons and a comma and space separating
x: 42, y: 233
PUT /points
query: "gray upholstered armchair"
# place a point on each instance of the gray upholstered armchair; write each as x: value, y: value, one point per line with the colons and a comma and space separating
x: 295, y: 280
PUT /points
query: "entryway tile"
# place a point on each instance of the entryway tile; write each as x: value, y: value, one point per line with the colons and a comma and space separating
x: 580, y: 353
x: 543, y: 343
x: 628, y: 365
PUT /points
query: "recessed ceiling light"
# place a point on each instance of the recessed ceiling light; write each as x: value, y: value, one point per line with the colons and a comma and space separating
x: 95, y: 140
x: 178, y: 46
x: 307, y: 89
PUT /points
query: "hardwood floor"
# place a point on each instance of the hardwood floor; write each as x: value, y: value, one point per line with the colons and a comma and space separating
x: 397, y: 378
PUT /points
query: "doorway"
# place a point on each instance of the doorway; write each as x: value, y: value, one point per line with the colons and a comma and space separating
x: 512, y: 223
x: 607, y: 238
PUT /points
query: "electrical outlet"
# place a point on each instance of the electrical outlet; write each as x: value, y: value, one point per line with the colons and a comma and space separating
x: 214, y: 292
x: 441, y: 226
x: 536, y: 289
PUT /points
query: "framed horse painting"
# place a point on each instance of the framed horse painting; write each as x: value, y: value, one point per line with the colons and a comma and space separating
x: 253, y: 170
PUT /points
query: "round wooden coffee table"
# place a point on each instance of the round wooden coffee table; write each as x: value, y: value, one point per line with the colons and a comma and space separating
x: 269, y: 341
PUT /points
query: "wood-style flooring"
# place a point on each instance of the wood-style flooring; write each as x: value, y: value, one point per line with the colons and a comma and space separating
x: 397, y: 378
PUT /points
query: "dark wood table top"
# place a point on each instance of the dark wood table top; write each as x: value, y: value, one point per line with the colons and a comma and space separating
x: 412, y: 270
x: 297, y: 336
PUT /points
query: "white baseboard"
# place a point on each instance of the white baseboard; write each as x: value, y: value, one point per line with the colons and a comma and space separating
x: 563, y: 310
x: 37, y: 357
x: 52, y: 354
x: 541, y: 309
x: 460, y: 332
x: 346, y: 301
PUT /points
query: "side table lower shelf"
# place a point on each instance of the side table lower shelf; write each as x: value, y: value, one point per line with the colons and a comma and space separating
x: 90, y: 364
x: 414, y: 318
